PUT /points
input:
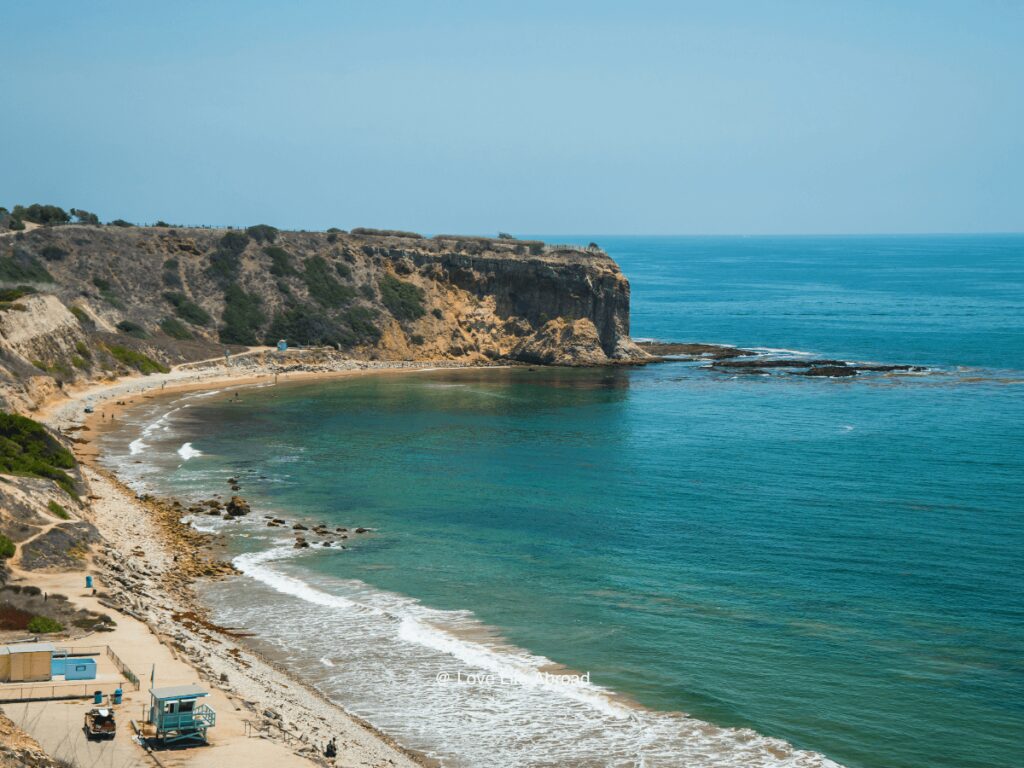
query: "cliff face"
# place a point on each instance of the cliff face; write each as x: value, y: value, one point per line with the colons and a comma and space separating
x: 81, y: 301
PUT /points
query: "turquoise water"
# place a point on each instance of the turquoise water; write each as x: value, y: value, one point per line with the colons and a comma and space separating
x: 832, y: 563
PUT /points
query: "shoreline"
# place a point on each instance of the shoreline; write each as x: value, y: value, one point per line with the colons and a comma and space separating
x: 251, y: 681
x: 279, y: 704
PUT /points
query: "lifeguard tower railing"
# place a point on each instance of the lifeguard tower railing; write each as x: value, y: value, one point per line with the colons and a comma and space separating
x: 198, y: 720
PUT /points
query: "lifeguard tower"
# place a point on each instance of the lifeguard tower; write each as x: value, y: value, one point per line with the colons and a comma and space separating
x: 176, y: 714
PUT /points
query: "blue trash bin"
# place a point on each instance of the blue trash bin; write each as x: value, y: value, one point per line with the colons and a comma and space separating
x: 97, y: 697
x: 88, y: 582
x: 117, y: 695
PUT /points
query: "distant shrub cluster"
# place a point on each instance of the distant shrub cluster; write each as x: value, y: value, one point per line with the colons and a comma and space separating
x: 121, y: 223
x: 82, y: 317
x: 132, y: 329
x: 85, y: 217
x: 226, y: 261
x: 53, y: 253
x: 41, y: 214
x: 57, y: 510
x: 13, y: 294
x: 107, y: 292
x: 24, y: 267
x: 369, y: 231
x: 262, y: 233
x: 44, y: 625
x: 403, y: 300
x: 174, y: 328
x: 133, y: 359
x: 304, y: 324
x: 187, y: 309
x: 323, y: 287
x: 26, y: 448
x: 280, y: 261
x: 243, y: 317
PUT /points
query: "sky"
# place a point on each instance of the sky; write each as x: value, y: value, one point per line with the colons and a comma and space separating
x: 591, y: 117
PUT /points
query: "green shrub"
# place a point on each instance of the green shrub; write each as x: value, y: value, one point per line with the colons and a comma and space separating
x: 84, y: 217
x: 187, y: 309
x: 344, y: 270
x: 437, y: 313
x: 13, y: 294
x: 322, y: 286
x: 23, y: 267
x: 132, y: 329
x: 137, y: 360
x: 7, y: 547
x: 80, y: 363
x: 83, y: 318
x: 385, y: 233
x: 280, y: 261
x: 175, y: 328
x: 262, y: 233
x: 226, y: 261
x: 404, y: 300
x: 53, y: 253
x: 83, y: 349
x: 416, y: 339
x: 121, y: 223
x: 57, y: 510
x: 44, y: 625
x: 41, y: 214
x: 303, y: 324
x: 171, y: 279
x: 26, y: 448
x: 363, y: 322
x: 171, y: 264
x: 243, y: 317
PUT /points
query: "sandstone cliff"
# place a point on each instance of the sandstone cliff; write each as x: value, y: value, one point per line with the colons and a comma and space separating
x: 81, y: 301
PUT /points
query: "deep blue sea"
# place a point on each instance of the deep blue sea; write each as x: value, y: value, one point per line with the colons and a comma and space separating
x: 813, y: 570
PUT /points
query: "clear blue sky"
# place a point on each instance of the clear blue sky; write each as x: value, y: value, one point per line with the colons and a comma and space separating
x: 584, y: 117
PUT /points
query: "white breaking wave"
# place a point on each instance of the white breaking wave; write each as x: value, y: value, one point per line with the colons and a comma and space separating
x: 188, y: 452
x: 135, y: 447
x: 440, y: 682
x: 777, y: 351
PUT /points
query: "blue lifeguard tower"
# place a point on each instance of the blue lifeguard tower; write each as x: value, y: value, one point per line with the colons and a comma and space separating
x: 177, y: 715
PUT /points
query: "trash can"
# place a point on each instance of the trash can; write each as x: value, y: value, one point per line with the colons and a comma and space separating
x: 97, y: 697
x: 117, y: 695
x: 88, y: 582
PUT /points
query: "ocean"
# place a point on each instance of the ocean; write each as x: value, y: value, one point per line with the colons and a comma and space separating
x: 563, y: 562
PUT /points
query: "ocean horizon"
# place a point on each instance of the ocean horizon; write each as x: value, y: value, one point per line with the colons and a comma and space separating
x: 561, y: 562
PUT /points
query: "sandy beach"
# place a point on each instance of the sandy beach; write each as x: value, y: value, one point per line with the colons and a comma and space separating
x: 143, y: 573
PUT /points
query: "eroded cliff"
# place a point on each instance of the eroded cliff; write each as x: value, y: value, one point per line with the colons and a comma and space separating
x: 81, y: 301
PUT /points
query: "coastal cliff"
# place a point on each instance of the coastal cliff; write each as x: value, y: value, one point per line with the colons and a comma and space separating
x: 81, y: 302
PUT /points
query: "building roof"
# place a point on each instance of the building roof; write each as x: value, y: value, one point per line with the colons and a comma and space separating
x: 178, y: 692
x: 28, y: 648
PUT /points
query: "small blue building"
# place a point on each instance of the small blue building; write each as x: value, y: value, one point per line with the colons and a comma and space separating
x: 81, y: 668
x: 176, y: 714
x: 72, y: 667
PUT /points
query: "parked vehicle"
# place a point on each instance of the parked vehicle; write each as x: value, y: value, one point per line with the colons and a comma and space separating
x: 99, y: 723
